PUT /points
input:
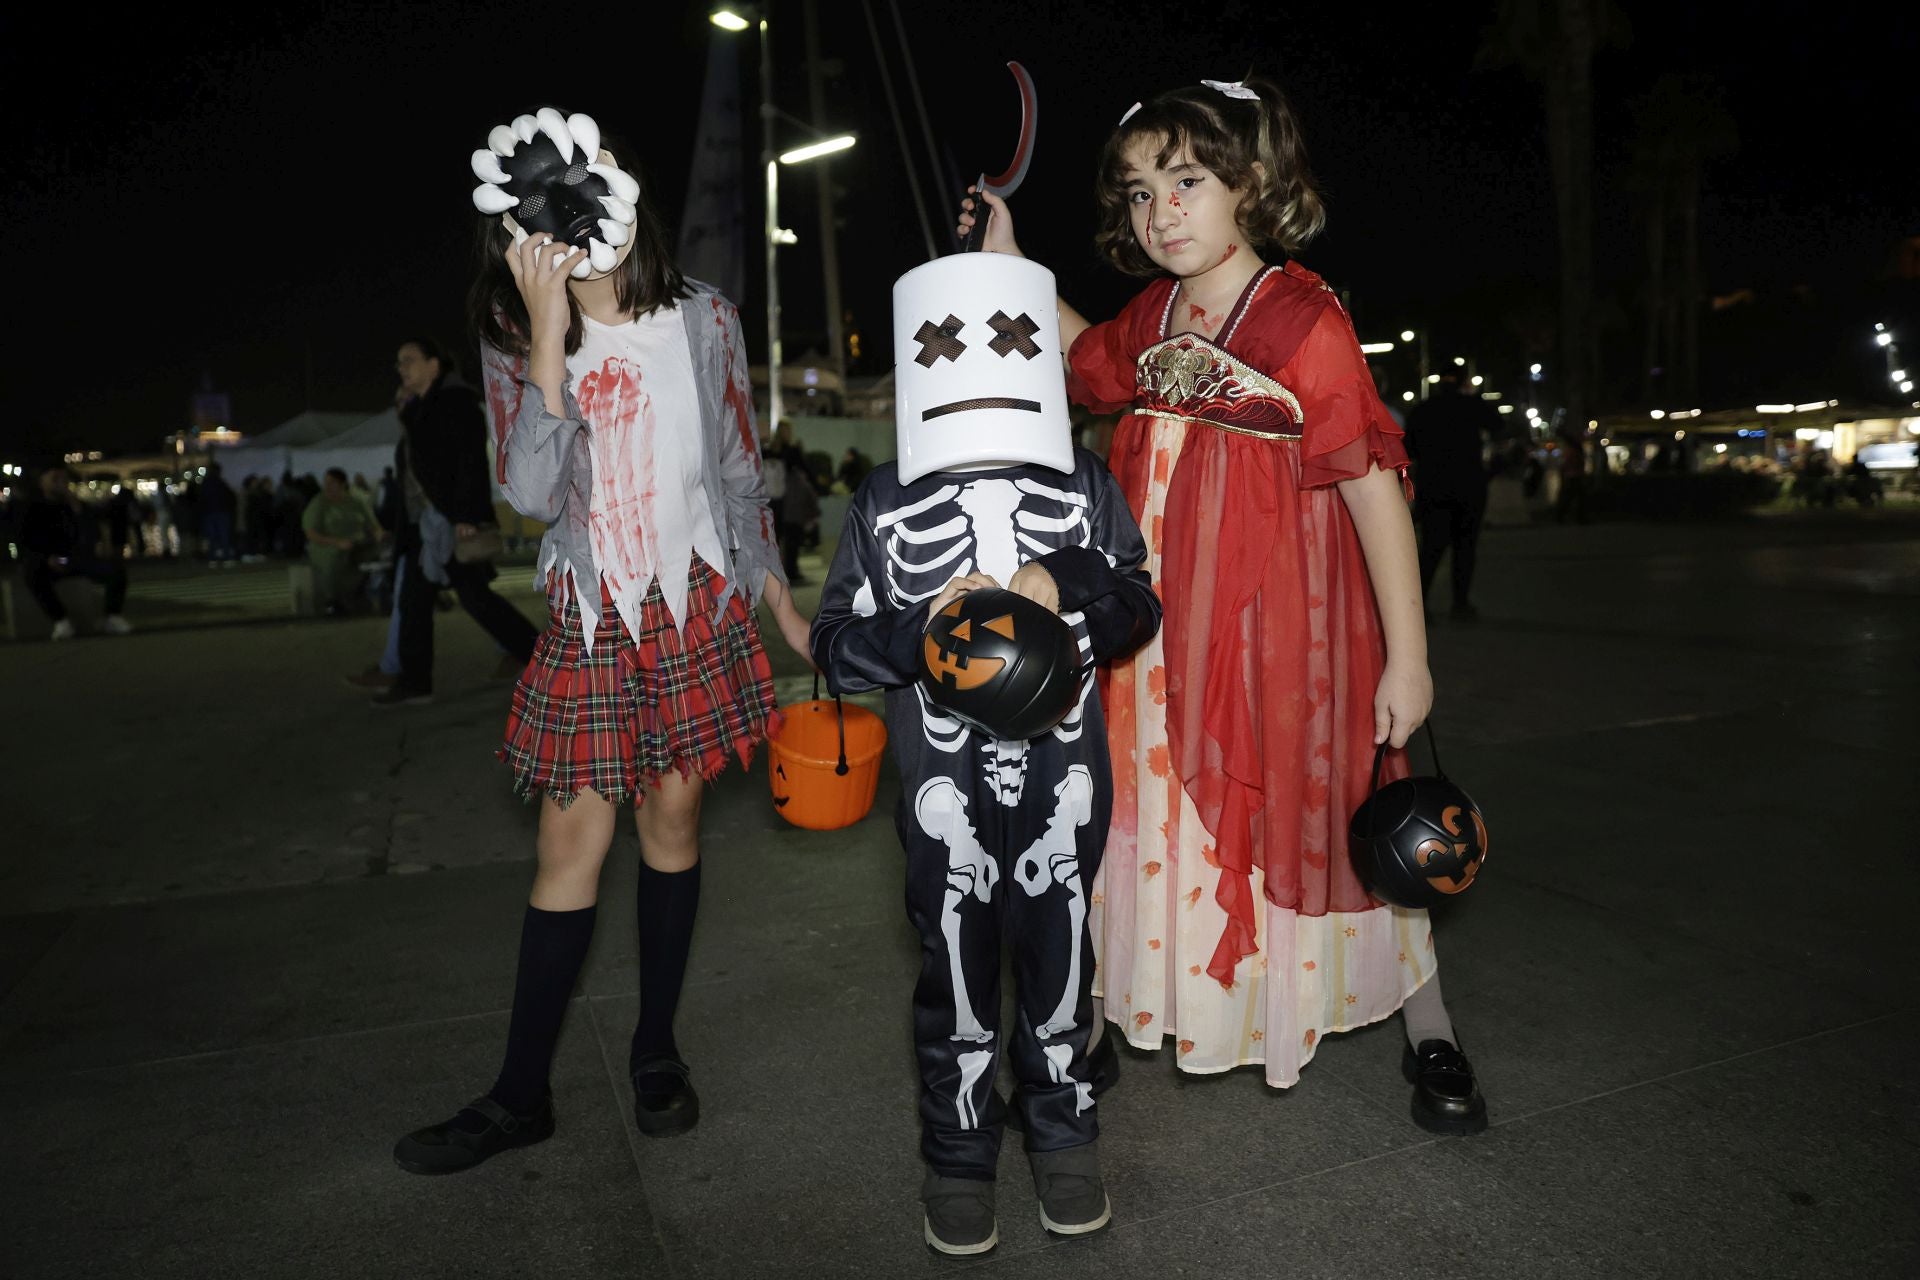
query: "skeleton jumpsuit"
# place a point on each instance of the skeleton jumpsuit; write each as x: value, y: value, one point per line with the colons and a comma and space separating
x: 997, y: 834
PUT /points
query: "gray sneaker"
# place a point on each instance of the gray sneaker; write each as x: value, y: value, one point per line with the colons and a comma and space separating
x: 959, y: 1215
x: 1073, y: 1196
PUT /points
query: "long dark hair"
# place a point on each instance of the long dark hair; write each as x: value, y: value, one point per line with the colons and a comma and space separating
x: 1280, y: 208
x: 647, y: 280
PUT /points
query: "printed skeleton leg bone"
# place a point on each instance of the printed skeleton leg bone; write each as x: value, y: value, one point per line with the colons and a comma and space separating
x: 1058, y: 1056
x: 942, y: 813
x: 1051, y: 860
x: 972, y: 1066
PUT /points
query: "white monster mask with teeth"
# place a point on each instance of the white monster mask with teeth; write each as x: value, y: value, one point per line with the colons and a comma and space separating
x: 547, y: 174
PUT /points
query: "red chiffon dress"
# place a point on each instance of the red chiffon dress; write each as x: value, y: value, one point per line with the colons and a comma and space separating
x: 1227, y: 915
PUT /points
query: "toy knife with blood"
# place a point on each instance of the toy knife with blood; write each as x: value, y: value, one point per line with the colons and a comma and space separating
x: 1006, y: 183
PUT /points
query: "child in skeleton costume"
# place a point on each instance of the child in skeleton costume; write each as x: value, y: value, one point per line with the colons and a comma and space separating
x: 988, y: 491
x: 1270, y: 479
x: 622, y: 416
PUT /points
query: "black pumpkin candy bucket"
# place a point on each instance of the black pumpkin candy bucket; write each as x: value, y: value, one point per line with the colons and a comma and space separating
x: 824, y: 764
x: 1417, y: 841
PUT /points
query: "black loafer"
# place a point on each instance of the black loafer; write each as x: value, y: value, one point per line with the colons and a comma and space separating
x: 481, y: 1130
x: 663, y: 1098
x: 1445, y: 1097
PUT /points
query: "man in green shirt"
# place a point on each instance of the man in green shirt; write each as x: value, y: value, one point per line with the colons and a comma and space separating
x: 336, y: 523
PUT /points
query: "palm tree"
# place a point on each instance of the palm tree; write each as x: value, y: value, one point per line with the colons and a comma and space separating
x: 1681, y: 123
x: 1553, y: 43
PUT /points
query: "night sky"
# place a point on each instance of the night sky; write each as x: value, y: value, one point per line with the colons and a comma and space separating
x: 271, y: 200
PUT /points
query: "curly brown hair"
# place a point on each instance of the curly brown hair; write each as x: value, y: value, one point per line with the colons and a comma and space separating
x: 1280, y: 208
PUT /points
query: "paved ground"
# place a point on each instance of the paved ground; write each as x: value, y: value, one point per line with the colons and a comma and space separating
x: 259, y: 929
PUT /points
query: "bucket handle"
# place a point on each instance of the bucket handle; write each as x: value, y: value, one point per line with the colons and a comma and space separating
x: 1380, y: 755
x: 840, y: 713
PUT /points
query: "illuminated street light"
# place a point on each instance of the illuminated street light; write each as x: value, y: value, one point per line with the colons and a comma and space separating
x: 1477, y: 380
x: 1406, y: 335
x: 1906, y: 388
x: 1406, y: 395
x: 1375, y: 348
x: 1898, y: 375
x: 1883, y: 338
x: 813, y: 151
x: 776, y: 235
x: 1659, y: 414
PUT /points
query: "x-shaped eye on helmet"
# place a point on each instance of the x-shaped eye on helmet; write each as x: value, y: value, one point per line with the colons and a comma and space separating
x: 1013, y: 335
x: 939, y: 340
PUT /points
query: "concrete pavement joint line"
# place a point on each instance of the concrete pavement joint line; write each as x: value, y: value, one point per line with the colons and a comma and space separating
x: 381, y: 861
x: 1704, y: 1066
x: 632, y: 1134
x: 1583, y: 731
x: 268, y: 1046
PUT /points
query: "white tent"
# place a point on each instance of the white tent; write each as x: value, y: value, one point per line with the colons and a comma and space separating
x: 274, y: 452
x: 362, y: 449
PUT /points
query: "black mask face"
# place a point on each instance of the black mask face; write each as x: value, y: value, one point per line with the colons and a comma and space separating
x: 547, y: 173
x: 558, y: 198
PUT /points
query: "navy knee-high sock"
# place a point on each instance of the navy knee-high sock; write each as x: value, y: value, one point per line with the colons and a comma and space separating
x: 553, y: 946
x: 667, y: 902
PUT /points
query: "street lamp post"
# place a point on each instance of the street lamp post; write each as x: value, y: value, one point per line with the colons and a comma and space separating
x: 729, y: 20
x: 1407, y: 335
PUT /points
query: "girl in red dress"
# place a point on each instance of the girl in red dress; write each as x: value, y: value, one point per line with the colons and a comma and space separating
x: 1270, y: 483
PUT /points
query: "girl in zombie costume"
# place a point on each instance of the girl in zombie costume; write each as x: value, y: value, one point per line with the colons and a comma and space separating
x: 1269, y: 480
x: 623, y: 417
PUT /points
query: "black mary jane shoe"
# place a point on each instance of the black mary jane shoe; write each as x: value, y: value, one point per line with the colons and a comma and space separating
x: 481, y: 1130
x: 663, y: 1098
x: 1445, y: 1097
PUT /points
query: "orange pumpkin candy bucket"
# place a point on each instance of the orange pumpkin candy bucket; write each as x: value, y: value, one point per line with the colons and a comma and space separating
x: 824, y: 764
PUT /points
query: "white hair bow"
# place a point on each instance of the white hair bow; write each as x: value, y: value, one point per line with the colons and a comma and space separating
x: 1233, y: 89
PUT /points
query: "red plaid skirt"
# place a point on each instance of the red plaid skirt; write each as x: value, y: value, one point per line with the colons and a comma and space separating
x: 619, y: 716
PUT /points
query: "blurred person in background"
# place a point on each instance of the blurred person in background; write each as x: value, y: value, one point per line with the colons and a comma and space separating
x: 1446, y: 437
x: 337, y: 525
x: 59, y: 538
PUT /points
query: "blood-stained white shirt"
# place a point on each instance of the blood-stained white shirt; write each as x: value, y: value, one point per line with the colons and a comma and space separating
x: 649, y: 513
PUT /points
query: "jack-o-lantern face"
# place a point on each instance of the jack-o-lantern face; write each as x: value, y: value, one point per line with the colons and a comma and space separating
x: 947, y: 645
x: 782, y: 788
x: 1452, y: 864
